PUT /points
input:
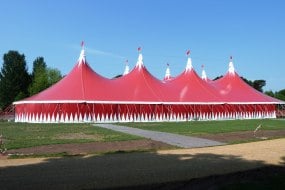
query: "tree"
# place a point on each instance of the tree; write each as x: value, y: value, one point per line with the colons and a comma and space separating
x: 43, y: 77
x: 53, y: 76
x: 39, y: 76
x: 270, y: 93
x: 279, y: 94
x: 39, y: 65
x: 259, y: 84
x: 14, y: 78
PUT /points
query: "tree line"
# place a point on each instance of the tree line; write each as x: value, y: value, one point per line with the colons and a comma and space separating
x: 17, y: 83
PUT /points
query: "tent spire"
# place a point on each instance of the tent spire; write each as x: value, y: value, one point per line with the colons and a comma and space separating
x: 167, y: 73
x: 81, y: 58
x: 189, y: 61
x: 204, y: 75
x: 231, y: 66
x: 140, y: 58
x: 127, y: 68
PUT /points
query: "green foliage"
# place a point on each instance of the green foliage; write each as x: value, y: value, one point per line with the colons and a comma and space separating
x: 21, y: 135
x: 14, y: 78
x: 15, y: 81
x: 259, y: 84
x: 20, y: 96
x: 53, y: 76
x: 282, y: 92
x: 43, y: 77
x: 39, y: 76
x: 39, y: 65
x: 279, y: 94
x: 269, y: 93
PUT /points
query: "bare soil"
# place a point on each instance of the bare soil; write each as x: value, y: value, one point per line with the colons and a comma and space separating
x: 93, y: 147
x: 259, y: 164
x: 220, y: 167
x: 245, y: 136
x: 135, y: 145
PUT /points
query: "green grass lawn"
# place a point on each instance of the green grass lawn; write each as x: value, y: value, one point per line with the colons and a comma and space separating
x: 210, y: 127
x: 21, y: 135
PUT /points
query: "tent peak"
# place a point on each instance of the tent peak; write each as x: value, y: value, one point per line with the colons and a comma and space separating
x: 140, y: 60
x: 189, y: 61
x: 189, y: 64
x: 127, y: 68
x: 231, y: 66
x: 167, y: 73
x: 81, y: 58
x: 204, y: 75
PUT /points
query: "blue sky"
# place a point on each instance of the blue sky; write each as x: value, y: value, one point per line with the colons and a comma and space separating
x: 252, y: 31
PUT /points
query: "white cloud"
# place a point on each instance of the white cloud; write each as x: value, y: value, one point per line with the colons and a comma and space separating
x: 92, y: 51
x: 104, y: 53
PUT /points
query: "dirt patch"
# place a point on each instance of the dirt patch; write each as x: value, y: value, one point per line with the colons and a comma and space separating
x: 93, y: 147
x: 78, y: 136
x: 144, y: 144
x: 199, y: 168
x: 244, y: 136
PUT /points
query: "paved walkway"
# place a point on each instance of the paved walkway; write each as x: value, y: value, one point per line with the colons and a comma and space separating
x: 169, y: 138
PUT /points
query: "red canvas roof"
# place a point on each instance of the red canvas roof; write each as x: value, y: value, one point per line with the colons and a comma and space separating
x: 167, y: 75
x: 191, y: 88
x: 138, y: 85
x: 81, y: 84
x: 234, y: 90
x: 204, y: 76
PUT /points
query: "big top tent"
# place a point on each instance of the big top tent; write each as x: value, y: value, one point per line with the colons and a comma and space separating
x: 85, y: 96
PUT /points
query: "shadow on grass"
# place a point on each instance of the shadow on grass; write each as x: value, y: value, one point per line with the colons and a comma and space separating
x: 147, y: 170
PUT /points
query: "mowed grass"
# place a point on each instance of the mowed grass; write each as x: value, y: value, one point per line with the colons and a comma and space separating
x: 197, y: 128
x: 22, y: 135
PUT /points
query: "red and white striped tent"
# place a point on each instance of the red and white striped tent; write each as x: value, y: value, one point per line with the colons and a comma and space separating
x: 85, y: 96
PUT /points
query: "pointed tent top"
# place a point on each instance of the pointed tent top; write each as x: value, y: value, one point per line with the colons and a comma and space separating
x: 167, y: 73
x: 204, y: 75
x: 189, y: 64
x: 140, y: 58
x: 127, y: 68
x: 189, y: 61
x: 231, y: 66
x: 81, y: 58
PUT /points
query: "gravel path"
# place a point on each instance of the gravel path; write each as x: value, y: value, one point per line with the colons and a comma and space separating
x: 169, y: 138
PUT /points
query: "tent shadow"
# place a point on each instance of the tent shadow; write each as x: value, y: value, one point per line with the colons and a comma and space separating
x: 147, y: 170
